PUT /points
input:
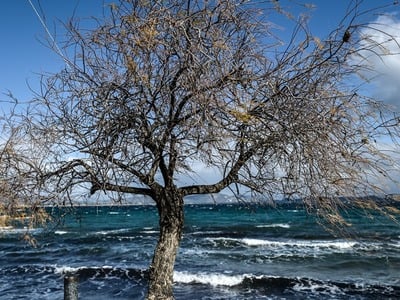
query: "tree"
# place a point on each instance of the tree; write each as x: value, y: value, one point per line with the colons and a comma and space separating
x: 19, y: 176
x: 156, y: 86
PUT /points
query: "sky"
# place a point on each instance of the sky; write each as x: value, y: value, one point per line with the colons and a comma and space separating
x: 23, y: 55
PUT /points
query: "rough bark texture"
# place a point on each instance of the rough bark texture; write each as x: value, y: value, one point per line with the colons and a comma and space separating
x: 170, y: 209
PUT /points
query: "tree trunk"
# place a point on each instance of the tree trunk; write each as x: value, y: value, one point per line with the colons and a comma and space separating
x: 170, y: 209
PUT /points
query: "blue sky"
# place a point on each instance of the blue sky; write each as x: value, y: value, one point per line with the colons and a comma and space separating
x: 23, y: 56
x: 22, y: 53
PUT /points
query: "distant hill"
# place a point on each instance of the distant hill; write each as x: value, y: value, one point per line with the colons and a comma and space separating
x: 392, y: 199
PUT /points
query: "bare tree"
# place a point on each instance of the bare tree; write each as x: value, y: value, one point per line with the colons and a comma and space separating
x: 157, y: 86
x: 20, y: 199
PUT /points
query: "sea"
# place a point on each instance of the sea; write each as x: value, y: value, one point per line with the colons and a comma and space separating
x: 228, y: 251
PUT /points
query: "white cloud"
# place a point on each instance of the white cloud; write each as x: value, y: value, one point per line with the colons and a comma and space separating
x: 380, y: 52
x: 201, y: 174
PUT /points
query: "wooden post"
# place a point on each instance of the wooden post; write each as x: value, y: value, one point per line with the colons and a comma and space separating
x: 70, y: 287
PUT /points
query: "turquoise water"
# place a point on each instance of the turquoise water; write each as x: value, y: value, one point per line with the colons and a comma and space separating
x: 227, y: 252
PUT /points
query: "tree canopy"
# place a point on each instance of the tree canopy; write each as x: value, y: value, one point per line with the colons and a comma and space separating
x: 158, y: 86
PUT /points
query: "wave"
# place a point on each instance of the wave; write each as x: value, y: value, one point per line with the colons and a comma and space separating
x: 279, y: 225
x: 150, y: 231
x: 205, y: 233
x: 114, y: 213
x: 270, y: 285
x: 303, y: 244
x: 108, y: 272
x: 61, y: 232
x: 65, y: 269
x: 207, y: 278
x: 395, y: 245
x: 318, y: 287
x: 253, y: 242
x: 111, y: 231
x: 83, y: 272
x: 26, y: 269
x: 14, y: 230
x: 267, y: 285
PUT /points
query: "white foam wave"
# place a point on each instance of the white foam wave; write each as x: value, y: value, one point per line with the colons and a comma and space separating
x: 280, y: 225
x: 206, y: 232
x: 318, y: 288
x: 107, y: 267
x: 113, y: 231
x: 149, y: 231
x: 307, y: 244
x: 395, y: 245
x: 339, y: 244
x: 66, y: 269
x: 13, y: 230
x: 213, y: 279
x: 60, y: 232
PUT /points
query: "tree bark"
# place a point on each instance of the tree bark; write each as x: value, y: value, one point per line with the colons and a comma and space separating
x: 170, y: 209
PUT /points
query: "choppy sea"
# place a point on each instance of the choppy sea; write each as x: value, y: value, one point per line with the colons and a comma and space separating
x: 227, y: 252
